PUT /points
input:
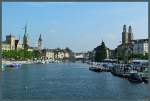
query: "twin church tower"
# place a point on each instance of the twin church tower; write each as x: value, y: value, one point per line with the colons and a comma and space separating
x: 127, y: 36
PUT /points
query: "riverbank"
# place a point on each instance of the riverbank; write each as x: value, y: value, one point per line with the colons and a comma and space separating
x: 130, y: 72
x: 7, y: 62
x: 16, y: 62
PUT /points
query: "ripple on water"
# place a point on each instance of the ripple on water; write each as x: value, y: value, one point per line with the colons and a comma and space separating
x: 71, y: 81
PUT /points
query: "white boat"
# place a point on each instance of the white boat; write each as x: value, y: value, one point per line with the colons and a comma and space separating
x: 41, y: 62
x: 133, y: 71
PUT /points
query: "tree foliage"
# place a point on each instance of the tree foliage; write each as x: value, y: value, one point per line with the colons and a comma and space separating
x: 138, y: 56
x: 20, y: 54
x: 100, y: 52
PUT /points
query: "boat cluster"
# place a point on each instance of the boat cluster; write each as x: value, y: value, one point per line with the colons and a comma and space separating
x: 46, y: 61
x: 131, y: 72
x: 17, y: 64
x: 100, y: 67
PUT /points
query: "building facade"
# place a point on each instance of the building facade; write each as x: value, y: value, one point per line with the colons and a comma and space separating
x: 11, y: 43
x: 80, y: 57
x: 10, y: 39
x: 5, y: 46
x: 48, y: 54
x: 140, y: 46
x: 57, y: 54
x: 112, y: 54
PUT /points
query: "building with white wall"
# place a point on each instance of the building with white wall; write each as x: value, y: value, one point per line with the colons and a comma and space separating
x: 140, y: 46
x: 57, y: 54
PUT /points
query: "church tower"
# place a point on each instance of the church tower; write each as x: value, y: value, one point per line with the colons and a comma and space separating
x: 40, y: 42
x: 10, y: 39
x: 25, y: 39
x: 130, y: 38
x: 124, y: 35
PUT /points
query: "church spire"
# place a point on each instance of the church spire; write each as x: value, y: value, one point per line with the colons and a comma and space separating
x: 124, y: 35
x: 25, y: 38
x: 130, y: 29
x: 124, y: 28
x: 40, y: 42
x: 130, y: 34
x: 40, y: 38
x: 25, y: 32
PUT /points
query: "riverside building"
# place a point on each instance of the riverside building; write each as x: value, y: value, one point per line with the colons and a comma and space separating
x: 57, y: 54
x: 140, y: 46
x: 130, y: 45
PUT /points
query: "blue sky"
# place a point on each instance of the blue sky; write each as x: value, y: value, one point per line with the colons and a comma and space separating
x: 79, y: 26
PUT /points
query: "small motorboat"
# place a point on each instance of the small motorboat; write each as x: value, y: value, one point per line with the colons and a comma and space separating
x: 96, y: 68
x: 41, y: 62
x: 134, y: 77
x: 145, y: 79
x: 13, y: 65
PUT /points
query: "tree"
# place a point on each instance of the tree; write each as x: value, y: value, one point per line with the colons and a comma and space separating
x: 100, y: 52
x: 17, y: 55
x: 36, y: 54
x: 138, y: 56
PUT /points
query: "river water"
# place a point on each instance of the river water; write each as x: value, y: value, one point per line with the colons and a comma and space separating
x: 66, y: 81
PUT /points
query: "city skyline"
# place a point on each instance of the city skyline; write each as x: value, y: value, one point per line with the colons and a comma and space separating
x: 79, y: 26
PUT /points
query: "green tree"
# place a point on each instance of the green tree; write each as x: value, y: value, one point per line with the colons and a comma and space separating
x: 100, y: 52
x: 36, y: 54
x: 138, y: 56
x: 17, y: 55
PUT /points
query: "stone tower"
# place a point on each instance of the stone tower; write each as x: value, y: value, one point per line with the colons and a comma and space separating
x: 40, y: 42
x: 25, y: 39
x: 16, y: 44
x: 130, y: 37
x: 10, y: 39
x: 124, y: 35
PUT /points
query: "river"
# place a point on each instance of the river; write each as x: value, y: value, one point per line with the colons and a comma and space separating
x: 66, y: 81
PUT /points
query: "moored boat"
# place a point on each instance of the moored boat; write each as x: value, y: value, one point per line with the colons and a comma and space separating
x: 96, y: 69
x: 13, y: 65
x: 134, y: 77
x: 144, y: 76
x: 145, y: 79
